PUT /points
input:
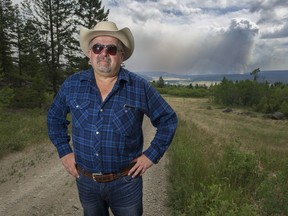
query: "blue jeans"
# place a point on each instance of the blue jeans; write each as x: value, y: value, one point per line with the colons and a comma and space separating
x: 124, y: 196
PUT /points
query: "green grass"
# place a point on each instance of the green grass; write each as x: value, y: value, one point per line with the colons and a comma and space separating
x: 226, y: 164
x: 19, y: 129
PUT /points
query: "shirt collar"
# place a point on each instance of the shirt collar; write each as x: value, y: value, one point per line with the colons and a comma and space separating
x: 88, y: 75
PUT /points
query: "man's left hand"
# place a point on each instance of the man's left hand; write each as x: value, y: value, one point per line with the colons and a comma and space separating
x: 142, y: 164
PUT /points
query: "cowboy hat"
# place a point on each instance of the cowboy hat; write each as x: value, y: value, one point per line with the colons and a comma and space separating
x: 107, y: 28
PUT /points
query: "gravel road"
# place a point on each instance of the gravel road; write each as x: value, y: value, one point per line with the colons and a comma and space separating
x: 33, y: 182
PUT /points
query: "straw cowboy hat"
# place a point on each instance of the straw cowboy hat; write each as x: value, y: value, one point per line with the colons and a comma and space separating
x: 106, y: 28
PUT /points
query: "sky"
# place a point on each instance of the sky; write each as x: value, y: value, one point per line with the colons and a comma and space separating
x: 204, y: 36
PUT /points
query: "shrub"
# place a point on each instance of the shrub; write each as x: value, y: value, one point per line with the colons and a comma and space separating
x: 6, y: 95
x: 272, y: 193
x: 239, y: 169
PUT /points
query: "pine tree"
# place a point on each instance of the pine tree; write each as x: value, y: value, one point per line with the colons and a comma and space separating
x: 87, y: 13
x: 29, y: 68
x: 7, y: 36
x: 160, y: 82
x: 54, y: 19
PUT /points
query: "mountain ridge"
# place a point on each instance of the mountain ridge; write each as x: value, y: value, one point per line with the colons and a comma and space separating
x: 270, y: 76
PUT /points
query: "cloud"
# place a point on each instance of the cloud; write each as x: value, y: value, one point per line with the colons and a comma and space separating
x: 186, y: 49
x: 270, y: 10
x: 227, y: 51
x: 204, y: 36
x: 278, y: 33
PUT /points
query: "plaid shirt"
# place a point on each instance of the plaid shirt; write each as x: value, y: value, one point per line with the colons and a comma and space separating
x: 107, y: 135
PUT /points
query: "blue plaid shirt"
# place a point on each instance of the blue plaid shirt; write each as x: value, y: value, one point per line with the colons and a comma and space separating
x: 107, y: 135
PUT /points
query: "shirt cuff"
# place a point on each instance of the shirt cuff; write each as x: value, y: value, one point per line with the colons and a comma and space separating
x: 64, y: 150
x: 152, y: 154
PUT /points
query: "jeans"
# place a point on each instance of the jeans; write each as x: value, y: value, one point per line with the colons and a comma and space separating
x: 124, y: 196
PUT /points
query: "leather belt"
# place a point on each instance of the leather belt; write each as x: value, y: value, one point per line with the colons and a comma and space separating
x: 102, y: 178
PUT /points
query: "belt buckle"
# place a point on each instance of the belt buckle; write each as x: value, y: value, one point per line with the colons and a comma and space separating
x: 95, y: 175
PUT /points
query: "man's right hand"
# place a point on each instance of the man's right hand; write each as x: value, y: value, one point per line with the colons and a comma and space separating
x: 69, y: 163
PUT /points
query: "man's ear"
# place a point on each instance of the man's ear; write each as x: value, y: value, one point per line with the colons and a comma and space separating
x: 122, y: 57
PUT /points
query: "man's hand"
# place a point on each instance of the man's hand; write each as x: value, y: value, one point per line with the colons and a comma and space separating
x: 142, y: 164
x: 69, y: 163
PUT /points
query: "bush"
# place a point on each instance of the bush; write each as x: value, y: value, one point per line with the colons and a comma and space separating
x: 198, y: 183
x: 19, y: 129
x: 284, y: 108
x: 6, y: 95
x: 239, y: 169
x: 272, y: 193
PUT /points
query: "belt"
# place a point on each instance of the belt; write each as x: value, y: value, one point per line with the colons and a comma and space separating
x: 102, y: 178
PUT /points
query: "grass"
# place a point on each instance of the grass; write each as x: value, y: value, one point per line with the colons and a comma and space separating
x: 220, y: 163
x: 19, y: 129
x: 227, y: 163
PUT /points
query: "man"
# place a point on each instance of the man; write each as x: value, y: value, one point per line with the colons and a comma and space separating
x: 107, y: 104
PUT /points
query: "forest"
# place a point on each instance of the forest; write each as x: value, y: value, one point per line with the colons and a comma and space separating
x: 39, y: 47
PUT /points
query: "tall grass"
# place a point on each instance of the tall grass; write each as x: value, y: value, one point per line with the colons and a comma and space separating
x: 217, y: 167
x: 19, y: 129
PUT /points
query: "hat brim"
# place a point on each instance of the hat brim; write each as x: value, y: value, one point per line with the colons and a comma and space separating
x: 124, y: 35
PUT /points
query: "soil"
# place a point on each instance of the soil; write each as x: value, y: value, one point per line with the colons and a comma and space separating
x: 34, y: 182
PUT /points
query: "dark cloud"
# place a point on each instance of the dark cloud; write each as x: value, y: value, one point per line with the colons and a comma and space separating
x: 228, y: 51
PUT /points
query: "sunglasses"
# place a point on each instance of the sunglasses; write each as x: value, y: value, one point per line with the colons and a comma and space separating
x: 110, y: 49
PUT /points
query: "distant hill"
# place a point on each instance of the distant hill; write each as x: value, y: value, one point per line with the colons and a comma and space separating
x: 270, y: 76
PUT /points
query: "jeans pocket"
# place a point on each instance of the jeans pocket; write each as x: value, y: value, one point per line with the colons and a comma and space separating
x: 130, y: 179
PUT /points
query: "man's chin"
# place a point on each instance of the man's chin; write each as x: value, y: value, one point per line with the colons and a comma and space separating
x: 103, y: 69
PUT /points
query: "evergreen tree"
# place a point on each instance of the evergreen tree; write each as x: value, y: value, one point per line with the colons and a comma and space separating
x: 30, y: 68
x: 54, y: 19
x: 160, y: 82
x: 87, y: 13
x: 27, y: 43
x: 255, y: 73
x: 7, y: 36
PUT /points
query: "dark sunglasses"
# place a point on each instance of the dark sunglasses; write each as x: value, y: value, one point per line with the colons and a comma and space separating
x: 110, y: 49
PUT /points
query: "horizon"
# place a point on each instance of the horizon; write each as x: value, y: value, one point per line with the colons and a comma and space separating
x: 175, y: 73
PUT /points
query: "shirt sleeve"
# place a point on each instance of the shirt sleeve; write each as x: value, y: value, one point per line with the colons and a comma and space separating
x: 58, y: 124
x: 164, y: 118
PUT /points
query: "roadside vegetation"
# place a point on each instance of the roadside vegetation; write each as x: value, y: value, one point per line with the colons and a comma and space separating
x: 20, y: 129
x: 227, y: 163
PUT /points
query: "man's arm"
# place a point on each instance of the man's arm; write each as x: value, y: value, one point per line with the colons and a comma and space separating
x: 58, y: 131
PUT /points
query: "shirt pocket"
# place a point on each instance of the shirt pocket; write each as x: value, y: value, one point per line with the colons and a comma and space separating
x: 125, y: 120
x: 79, y: 113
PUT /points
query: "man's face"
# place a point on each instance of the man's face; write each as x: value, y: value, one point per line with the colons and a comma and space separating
x: 106, y: 55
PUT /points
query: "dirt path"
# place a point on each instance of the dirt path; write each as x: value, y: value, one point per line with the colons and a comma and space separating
x: 33, y: 182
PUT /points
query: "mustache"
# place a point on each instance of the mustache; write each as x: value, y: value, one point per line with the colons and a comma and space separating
x: 105, y: 58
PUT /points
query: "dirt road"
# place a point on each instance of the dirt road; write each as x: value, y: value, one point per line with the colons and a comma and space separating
x: 33, y: 182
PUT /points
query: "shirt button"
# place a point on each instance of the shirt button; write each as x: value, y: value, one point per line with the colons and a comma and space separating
x: 97, y: 132
x: 77, y: 106
x: 97, y: 154
x: 101, y: 110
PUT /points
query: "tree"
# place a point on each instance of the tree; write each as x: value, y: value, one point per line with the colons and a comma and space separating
x: 54, y: 19
x: 39, y: 43
x: 7, y: 36
x: 27, y: 44
x: 160, y: 82
x: 255, y: 73
x: 87, y: 13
